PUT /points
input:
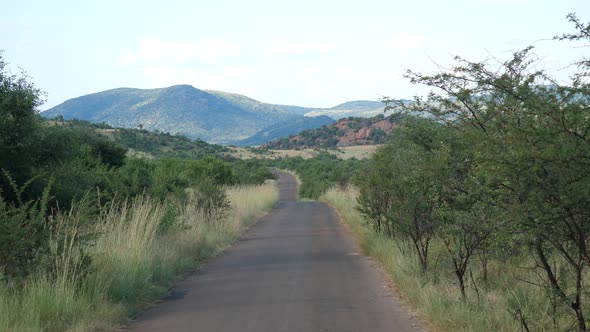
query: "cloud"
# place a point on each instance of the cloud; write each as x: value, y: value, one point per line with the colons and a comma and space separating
x: 293, y: 48
x: 127, y: 59
x: 404, y: 40
x: 206, y: 50
x: 167, y: 75
x: 232, y: 78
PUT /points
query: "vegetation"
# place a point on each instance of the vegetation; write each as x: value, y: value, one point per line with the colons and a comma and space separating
x: 491, y: 195
x: 285, y: 129
x: 89, y: 235
x: 180, y: 109
x: 319, y: 173
x: 349, y: 131
x: 144, y: 143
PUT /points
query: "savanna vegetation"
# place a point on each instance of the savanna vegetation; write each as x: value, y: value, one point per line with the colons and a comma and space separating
x: 320, y: 173
x: 145, y: 143
x: 480, y: 212
x: 88, y: 235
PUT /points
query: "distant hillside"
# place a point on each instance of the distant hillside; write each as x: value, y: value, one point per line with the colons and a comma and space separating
x: 285, y: 129
x: 345, y: 132
x: 180, y: 109
x: 212, y: 116
x: 250, y: 105
x: 150, y: 144
x: 360, y: 105
x: 357, y: 108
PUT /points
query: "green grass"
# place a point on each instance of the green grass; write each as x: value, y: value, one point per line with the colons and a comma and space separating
x: 435, y: 295
x: 132, y: 263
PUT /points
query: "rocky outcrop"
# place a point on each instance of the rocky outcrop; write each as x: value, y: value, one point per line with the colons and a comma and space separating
x: 345, y: 132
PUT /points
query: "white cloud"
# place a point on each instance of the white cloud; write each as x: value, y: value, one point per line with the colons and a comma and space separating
x: 287, y: 47
x: 127, y: 59
x: 152, y: 50
x: 404, y: 40
x: 161, y: 76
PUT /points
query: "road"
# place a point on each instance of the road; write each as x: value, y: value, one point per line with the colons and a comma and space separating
x: 297, y: 269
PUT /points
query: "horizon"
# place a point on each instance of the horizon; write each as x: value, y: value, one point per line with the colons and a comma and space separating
x: 210, y: 90
x: 308, y: 54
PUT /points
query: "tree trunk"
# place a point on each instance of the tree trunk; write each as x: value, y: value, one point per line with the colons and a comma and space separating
x: 460, y: 276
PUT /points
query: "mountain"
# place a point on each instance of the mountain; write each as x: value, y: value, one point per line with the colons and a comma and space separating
x: 285, y: 129
x: 360, y: 105
x: 213, y: 116
x: 179, y: 109
x: 357, y: 108
x: 345, y: 132
x: 250, y: 105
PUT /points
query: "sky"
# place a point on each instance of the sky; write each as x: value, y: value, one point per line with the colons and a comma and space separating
x: 307, y: 53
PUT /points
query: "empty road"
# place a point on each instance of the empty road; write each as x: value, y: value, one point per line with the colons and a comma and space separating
x: 296, y: 270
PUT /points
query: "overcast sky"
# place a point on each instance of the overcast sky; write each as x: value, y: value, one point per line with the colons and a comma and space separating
x: 307, y: 53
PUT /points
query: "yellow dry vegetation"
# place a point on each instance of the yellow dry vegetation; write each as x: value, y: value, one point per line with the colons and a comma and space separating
x: 347, y: 152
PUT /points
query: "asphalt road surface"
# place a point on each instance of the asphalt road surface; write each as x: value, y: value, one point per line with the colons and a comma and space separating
x: 298, y: 269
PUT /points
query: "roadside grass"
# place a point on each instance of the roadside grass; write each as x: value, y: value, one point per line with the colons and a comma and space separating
x: 132, y: 262
x: 344, y: 152
x: 509, y: 299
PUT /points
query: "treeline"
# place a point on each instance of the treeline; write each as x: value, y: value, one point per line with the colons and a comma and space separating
x: 500, y: 177
x: 320, y: 173
x: 150, y: 143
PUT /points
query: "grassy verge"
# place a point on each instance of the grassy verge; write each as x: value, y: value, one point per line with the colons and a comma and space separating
x: 508, y: 300
x: 131, y: 261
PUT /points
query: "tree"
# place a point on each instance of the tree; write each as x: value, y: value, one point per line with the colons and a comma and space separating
x: 532, y: 142
x: 19, y: 126
x: 398, y: 192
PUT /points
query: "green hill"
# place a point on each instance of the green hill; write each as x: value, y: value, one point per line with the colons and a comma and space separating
x: 285, y: 129
x: 212, y: 116
x: 356, y: 108
x: 150, y: 144
x: 180, y: 109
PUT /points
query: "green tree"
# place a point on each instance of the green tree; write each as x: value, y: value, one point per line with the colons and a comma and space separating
x: 531, y: 138
x: 19, y: 126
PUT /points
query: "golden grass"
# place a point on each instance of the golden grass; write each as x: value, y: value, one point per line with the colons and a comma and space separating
x: 132, y: 263
x: 347, y: 152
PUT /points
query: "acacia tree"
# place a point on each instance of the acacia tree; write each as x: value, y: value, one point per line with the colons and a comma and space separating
x: 399, y: 189
x: 532, y: 138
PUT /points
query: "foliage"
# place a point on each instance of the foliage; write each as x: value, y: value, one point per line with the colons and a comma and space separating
x: 155, y: 144
x: 505, y: 161
x: 19, y: 125
x: 320, y: 173
x: 23, y: 236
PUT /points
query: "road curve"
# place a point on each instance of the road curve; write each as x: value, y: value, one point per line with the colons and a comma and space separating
x: 297, y: 270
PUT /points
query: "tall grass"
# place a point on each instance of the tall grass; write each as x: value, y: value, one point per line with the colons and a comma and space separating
x: 132, y: 262
x: 509, y: 298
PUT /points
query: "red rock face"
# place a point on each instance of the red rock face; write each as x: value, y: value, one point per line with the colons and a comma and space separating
x: 342, y: 125
x: 384, y: 125
x: 361, y: 136
x: 348, y: 136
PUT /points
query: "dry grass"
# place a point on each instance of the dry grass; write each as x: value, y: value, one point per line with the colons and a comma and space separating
x: 132, y: 263
x: 435, y: 295
x: 347, y: 152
